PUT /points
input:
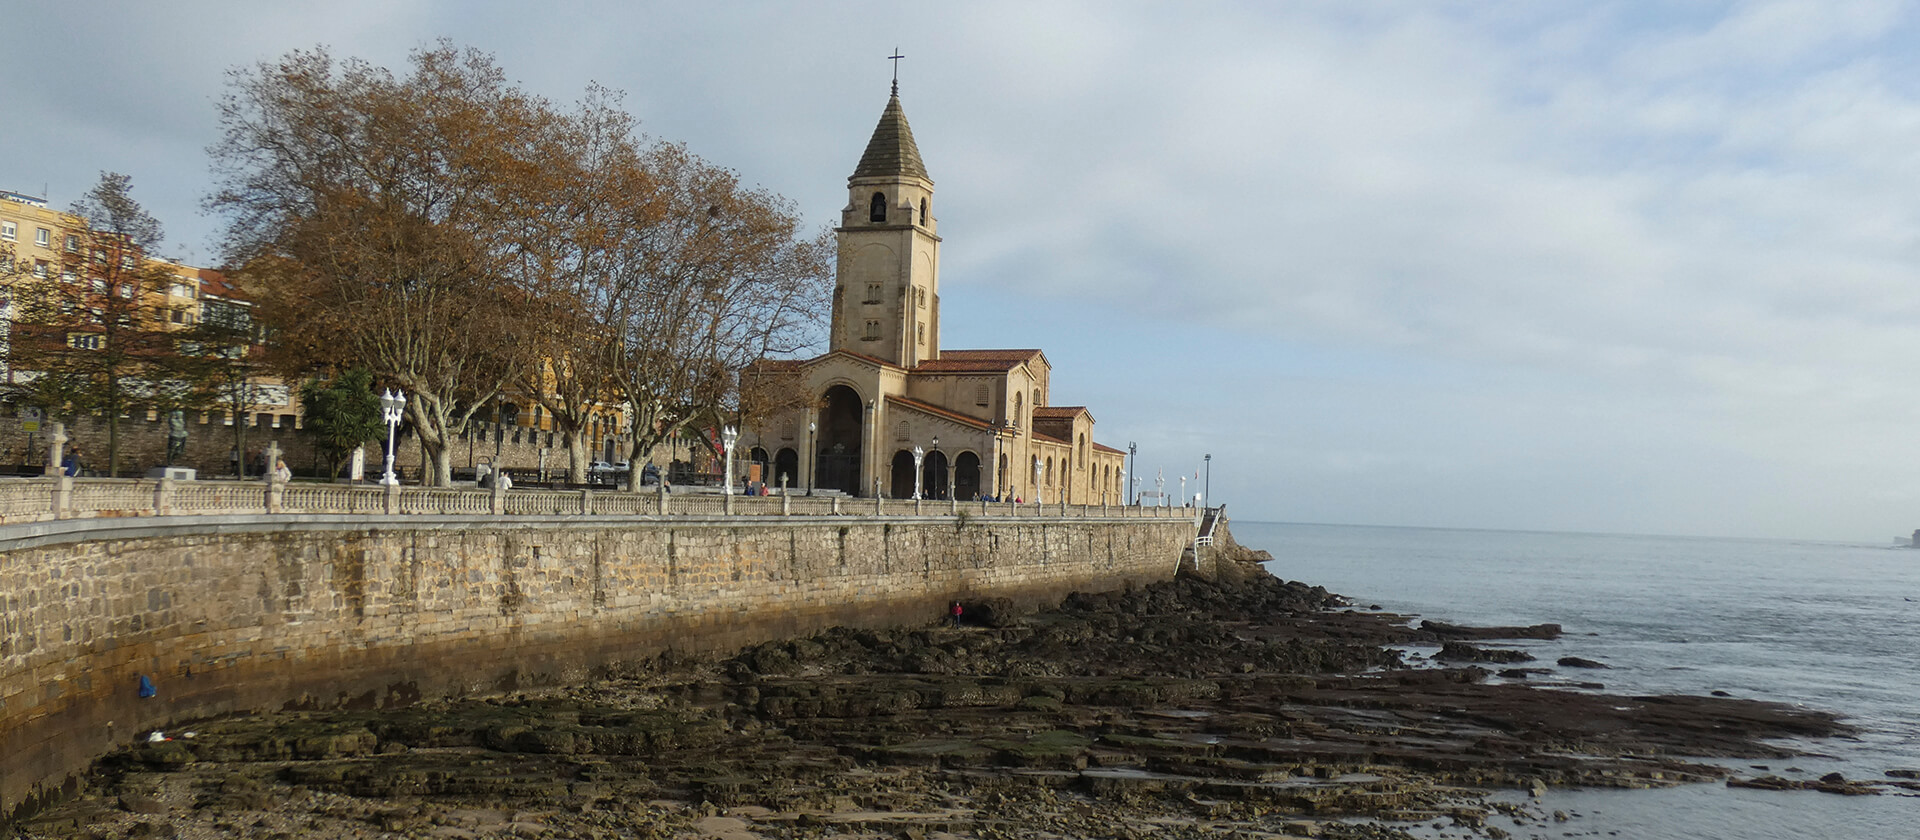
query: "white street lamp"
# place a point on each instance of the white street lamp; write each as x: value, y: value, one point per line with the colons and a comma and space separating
x: 1183, y: 490
x: 728, y: 437
x: 813, y: 455
x: 392, y: 405
x: 919, y: 455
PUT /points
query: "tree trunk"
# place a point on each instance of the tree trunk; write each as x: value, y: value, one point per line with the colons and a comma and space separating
x: 577, y: 460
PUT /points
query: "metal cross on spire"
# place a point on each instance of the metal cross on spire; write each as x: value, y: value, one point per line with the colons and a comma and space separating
x: 895, y: 58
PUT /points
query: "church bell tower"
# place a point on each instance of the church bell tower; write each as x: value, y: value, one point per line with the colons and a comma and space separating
x: 886, y: 298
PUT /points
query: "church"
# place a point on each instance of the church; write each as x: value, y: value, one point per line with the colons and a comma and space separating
x: 886, y: 411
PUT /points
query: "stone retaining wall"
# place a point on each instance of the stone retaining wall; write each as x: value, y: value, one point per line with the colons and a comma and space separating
x: 234, y: 613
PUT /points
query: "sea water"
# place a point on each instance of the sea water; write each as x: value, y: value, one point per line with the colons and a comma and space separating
x: 1826, y: 625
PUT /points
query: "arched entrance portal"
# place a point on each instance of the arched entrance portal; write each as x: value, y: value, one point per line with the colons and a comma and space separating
x: 837, y: 462
x: 786, y: 468
x: 966, y: 477
x: 900, y: 486
x: 933, y: 475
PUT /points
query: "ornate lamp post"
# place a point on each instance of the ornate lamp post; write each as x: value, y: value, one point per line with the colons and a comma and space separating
x: 1183, y: 490
x: 392, y: 404
x: 1160, y: 488
x: 919, y: 455
x: 813, y: 455
x: 728, y: 437
x: 1206, y: 489
x: 1039, y: 493
x: 1133, y: 450
x: 936, y: 451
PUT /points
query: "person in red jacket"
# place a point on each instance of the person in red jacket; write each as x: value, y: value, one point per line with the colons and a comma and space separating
x: 953, y: 615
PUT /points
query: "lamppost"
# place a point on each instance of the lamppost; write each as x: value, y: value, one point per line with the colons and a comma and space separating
x: 728, y: 437
x: 1160, y: 488
x: 813, y: 455
x: 1039, y: 493
x: 392, y: 403
x: 1134, y: 489
x: 1133, y: 450
x: 918, y: 456
x: 1183, y: 490
x: 1206, y: 489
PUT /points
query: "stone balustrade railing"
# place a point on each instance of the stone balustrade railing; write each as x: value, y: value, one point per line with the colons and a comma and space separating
x: 43, y: 499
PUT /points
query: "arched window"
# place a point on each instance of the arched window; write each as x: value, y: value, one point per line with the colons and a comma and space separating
x: 878, y: 211
x: 1049, y: 472
x: 1016, y: 410
x: 1083, y: 450
x: 923, y: 209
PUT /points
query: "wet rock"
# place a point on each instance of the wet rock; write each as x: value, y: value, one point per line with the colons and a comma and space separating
x: 1443, y: 630
x: 1462, y: 652
x: 140, y: 803
x: 1577, y: 662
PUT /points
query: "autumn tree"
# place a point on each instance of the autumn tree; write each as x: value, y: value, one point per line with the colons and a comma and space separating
x: 723, y: 276
x: 94, y: 340
x: 373, y: 214
x: 565, y: 261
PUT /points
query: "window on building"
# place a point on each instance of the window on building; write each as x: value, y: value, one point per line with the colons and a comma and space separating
x: 73, y: 242
x: 877, y: 209
x: 902, y: 432
x: 920, y: 332
x: 1015, y: 419
x: 40, y: 269
x: 126, y: 260
x: 873, y: 293
x: 919, y: 297
x: 42, y: 237
x: 83, y: 341
x: 923, y: 209
x: 126, y: 291
x: 100, y: 285
x: 178, y: 316
x: 9, y: 231
x: 981, y: 394
x: 69, y: 276
x: 873, y: 330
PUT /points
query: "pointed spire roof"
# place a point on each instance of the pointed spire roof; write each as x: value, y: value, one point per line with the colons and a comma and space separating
x: 891, y: 151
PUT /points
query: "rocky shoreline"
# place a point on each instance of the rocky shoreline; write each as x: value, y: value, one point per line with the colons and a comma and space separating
x: 1242, y: 705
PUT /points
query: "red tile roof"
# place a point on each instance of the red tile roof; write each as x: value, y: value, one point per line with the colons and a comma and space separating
x: 1060, y: 412
x: 1105, y: 448
x: 937, y: 411
x: 1049, y: 439
x: 963, y: 361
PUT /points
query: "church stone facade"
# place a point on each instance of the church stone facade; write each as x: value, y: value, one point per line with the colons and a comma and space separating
x: 982, y: 419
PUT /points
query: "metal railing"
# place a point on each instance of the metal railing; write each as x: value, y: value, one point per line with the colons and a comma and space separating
x: 43, y: 499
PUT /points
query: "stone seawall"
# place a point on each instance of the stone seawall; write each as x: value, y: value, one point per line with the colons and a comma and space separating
x: 227, y: 614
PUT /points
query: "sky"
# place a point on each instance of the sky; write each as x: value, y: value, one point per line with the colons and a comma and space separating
x: 1601, y: 266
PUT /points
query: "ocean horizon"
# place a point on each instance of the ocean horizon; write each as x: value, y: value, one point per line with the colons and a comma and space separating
x: 1814, y: 623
